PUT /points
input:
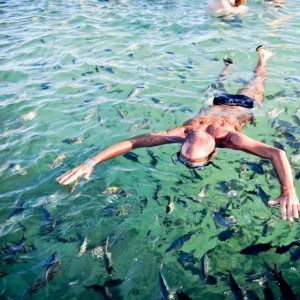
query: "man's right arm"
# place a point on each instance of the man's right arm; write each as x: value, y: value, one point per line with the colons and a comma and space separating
x: 175, y: 135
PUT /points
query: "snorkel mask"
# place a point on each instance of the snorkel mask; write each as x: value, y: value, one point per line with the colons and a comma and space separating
x: 196, y: 166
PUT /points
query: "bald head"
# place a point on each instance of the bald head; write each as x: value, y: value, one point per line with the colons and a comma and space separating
x: 197, y: 147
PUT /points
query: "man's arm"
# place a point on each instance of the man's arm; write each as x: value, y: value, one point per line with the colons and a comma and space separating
x: 175, y: 135
x: 288, y: 199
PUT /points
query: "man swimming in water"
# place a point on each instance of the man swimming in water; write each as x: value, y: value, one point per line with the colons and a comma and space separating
x: 219, y: 126
x: 227, y: 6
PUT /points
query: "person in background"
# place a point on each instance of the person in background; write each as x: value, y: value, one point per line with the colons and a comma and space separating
x: 227, y: 6
x: 219, y: 125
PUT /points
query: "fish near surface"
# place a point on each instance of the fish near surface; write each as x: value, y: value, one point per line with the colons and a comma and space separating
x: 131, y: 156
x: 262, y: 194
x: 182, y: 296
x: 256, y: 249
x: 165, y: 290
x: 223, y: 219
x: 108, y: 258
x: 49, y: 224
x: 154, y: 158
x: 226, y: 234
x: 237, y: 291
x: 286, y: 291
x: 204, y: 263
x: 53, y: 268
x: 286, y: 248
x: 102, y: 290
x: 295, y: 255
x: 178, y: 243
x: 18, y: 248
x: 263, y: 283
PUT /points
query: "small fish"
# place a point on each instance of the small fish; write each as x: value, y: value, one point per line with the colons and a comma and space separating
x: 49, y: 224
x: 110, y: 283
x: 102, y: 290
x: 178, y: 243
x: 182, y: 296
x: 98, y: 252
x: 255, y: 167
x: 109, y: 211
x: 18, y: 248
x: 131, y: 156
x: 165, y: 290
x: 100, y: 120
x: 58, y: 161
x: 278, y: 145
x: 237, y: 291
x: 296, y: 118
x: 45, y: 86
x: 262, y: 194
x: 156, y: 192
x: 120, y: 113
x: 251, y: 295
x: 87, y: 73
x: 53, y: 268
x: 3, y: 274
x: 113, y: 190
x: 182, y: 77
x: 285, y: 289
x: 17, y: 169
x: 226, y: 234
x: 263, y: 283
x: 203, y: 191
x: 143, y: 204
x: 136, y: 91
x: 89, y: 114
x: 255, y: 249
x: 154, y: 158
x: 140, y: 126
x: 171, y: 206
x: 108, y: 69
x: 107, y: 258
x: 76, y: 140
x: 223, y: 219
x: 204, y: 270
x: 83, y: 247
x: 156, y: 100
x: 18, y: 209
x: 295, y: 255
x: 286, y: 248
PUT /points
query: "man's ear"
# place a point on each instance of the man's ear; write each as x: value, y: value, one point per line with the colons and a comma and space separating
x: 214, y: 153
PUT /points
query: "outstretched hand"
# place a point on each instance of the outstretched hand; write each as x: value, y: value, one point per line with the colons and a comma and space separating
x: 84, y: 170
x: 289, y: 205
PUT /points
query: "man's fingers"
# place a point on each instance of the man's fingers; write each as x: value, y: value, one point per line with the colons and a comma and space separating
x: 69, y: 177
x: 273, y: 202
x: 283, y: 210
x: 295, y: 212
x: 87, y: 176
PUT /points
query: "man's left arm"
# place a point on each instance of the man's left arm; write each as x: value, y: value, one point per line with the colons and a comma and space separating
x: 288, y: 199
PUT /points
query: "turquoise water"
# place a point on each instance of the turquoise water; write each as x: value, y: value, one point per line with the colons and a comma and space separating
x: 77, y: 76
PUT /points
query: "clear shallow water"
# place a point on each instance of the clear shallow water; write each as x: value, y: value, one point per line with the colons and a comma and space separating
x: 66, y: 73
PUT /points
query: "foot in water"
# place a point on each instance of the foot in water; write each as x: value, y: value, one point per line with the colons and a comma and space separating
x: 227, y: 61
x: 264, y: 53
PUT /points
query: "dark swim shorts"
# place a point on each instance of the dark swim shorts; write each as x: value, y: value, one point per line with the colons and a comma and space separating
x: 234, y: 100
